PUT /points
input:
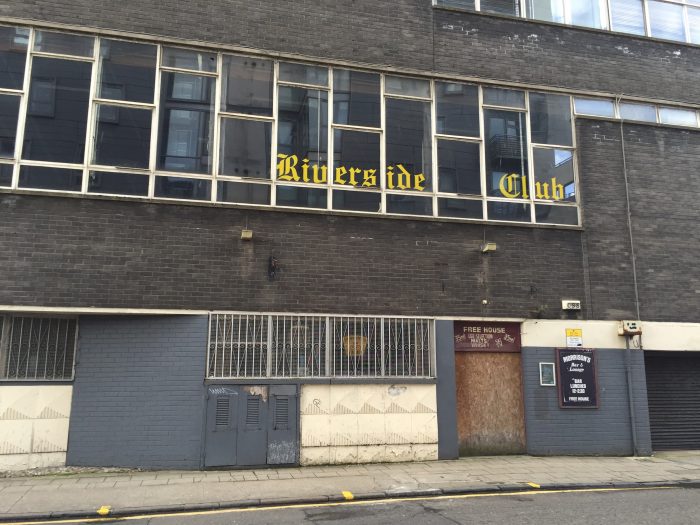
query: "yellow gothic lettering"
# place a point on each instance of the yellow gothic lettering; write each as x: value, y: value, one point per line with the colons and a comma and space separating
x: 286, y: 167
x: 404, y: 178
x: 419, y: 180
x: 353, y: 173
x: 339, y: 173
x: 323, y: 177
x: 369, y: 178
x: 557, y: 190
x: 305, y: 170
x: 390, y: 177
x: 542, y: 190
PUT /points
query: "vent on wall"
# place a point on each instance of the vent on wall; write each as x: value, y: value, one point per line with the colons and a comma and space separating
x: 252, y: 415
x: 222, y: 411
x: 281, y: 413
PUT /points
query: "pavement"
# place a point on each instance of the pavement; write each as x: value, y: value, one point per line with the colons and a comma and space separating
x: 83, y: 494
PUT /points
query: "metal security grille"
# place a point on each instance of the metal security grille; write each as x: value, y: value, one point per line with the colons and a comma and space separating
x: 37, y: 348
x: 286, y: 346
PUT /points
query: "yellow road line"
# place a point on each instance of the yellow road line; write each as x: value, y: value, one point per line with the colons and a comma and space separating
x: 533, y: 485
x: 329, y: 504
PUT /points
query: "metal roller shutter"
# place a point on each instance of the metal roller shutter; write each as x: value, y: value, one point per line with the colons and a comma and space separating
x: 673, y: 389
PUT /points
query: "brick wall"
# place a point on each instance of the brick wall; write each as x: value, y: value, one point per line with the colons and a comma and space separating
x: 138, y: 398
x: 602, y: 431
x: 407, y: 34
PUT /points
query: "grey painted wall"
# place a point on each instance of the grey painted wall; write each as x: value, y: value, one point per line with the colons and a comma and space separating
x: 603, y: 431
x: 448, y: 438
x: 138, y: 394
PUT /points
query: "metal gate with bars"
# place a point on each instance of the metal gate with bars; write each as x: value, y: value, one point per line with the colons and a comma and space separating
x: 298, y: 346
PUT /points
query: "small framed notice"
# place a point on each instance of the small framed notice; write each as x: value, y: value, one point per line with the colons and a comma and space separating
x: 547, y: 375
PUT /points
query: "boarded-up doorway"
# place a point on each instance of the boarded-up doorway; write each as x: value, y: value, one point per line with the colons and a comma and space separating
x: 490, y: 410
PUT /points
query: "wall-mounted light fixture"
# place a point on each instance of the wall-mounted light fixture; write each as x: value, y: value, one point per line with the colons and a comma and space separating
x: 487, y: 247
x: 246, y: 235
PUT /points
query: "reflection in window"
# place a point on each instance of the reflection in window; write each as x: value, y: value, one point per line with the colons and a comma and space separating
x: 556, y: 214
x: 58, y: 106
x: 243, y: 193
x: 184, y: 134
x: 356, y: 158
x: 678, y: 117
x: 694, y: 24
x: 550, y: 119
x: 13, y: 54
x: 508, y: 211
x: 460, y: 4
x: 40, y: 177
x: 123, y: 136
x: 457, y: 108
x: 505, y: 7
x: 506, y: 154
x: 301, y: 197
x: 504, y: 97
x: 586, y: 13
x: 554, y: 174
x: 303, y: 74
x: 412, y: 87
x: 179, y: 188
x: 594, y: 106
x: 548, y: 10
x: 666, y: 20
x: 459, y: 167
x: 409, y: 204
x: 118, y: 183
x: 245, y: 148
x: 460, y: 208
x: 9, y: 111
x: 6, y: 174
x: 246, y: 85
x: 189, y: 59
x: 302, y: 128
x: 64, y: 44
x: 357, y: 201
x: 356, y: 98
x: 640, y: 112
x: 627, y: 16
x: 408, y: 145
x: 127, y: 71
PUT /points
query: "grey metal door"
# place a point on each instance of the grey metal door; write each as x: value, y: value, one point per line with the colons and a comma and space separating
x: 222, y: 426
x: 283, y: 437
x: 252, y: 425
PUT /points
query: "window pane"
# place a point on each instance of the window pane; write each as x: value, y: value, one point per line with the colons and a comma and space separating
x: 243, y: 193
x: 504, y: 97
x: 413, y: 87
x: 556, y: 214
x: 554, y: 174
x: 179, y: 188
x: 461, y: 4
x: 189, y: 59
x: 586, y: 13
x: 185, y: 128
x: 123, y: 137
x: 356, y: 98
x: 642, y: 112
x: 506, y: 154
x: 678, y: 117
x: 459, y: 167
x: 666, y: 20
x: 506, y: 7
x: 302, y: 131
x: 549, y: 10
x: 245, y: 148
x: 301, y: 197
x: 57, y: 113
x: 9, y: 111
x: 550, y: 119
x: 6, y: 174
x: 13, y: 54
x: 357, y: 201
x: 508, y: 211
x: 127, y: 71
x: 409, y: 204
x: 460, y: 208
x: 457, y: 107
x: 303, y: 74
x: 64, y: 44
x: 628, y: 16
x: 596, y: 107
x: 246, y: 85
x: 356, y: 158
x: 118, y: 183
x: 694, y: 24
x: 50, y: 178
x: 408, y: 145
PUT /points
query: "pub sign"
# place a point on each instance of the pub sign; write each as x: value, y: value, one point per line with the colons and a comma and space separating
x: 576, y: 371
x: 486, y: 336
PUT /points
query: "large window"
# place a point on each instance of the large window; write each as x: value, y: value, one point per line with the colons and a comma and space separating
x: 37, y: 348
x: 677, y: 20
x: 306, y: 346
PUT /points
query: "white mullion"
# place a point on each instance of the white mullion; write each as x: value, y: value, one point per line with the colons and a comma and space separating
x: 119, y: 169
x: 574, y: 142
x: 434, y: 153
x: 647, y: 18
x: 244, y: 116
x: 122, y: 103
x: 482, y: 153
x: 90, y: 132
x: 275, y: 126
x: 303, y: 85
x: 330, y: 146
x: 477, y: 5
x: 188, y: 71
x: 457, y: 138
x: 410, y: 97
x: 605, y: 15
x: 23, y: 108
x: 216, y: 138
x: 155, y: 121
x: 53, y: 164
x: 62, y: 56
x: 686, y: 24
x: 351, y: 127
x: 382, y: 143
x: 9, y: 91
x: 530, y: 158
